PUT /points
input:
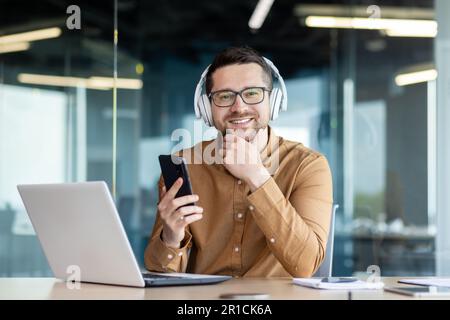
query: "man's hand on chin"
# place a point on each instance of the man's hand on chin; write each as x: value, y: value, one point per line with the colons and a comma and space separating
x: 242, y: 159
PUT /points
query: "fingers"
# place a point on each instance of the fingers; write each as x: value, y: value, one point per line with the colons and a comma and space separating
x: 174, y: 188
x: 192, y: 218
x: 233, y: 151
x: 232, y: 141
x: 182, y: 212
x: 181, y: 201
x: 229, y: 145
x: 229, y: 137
x: 228, y: 152
x: 170, y: 195
x: 237, y: 150
x: 183, y: 216
x: 170, y: 205
x: 233, y: 137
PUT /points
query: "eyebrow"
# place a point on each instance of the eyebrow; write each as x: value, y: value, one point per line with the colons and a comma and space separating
x: 247, y: 87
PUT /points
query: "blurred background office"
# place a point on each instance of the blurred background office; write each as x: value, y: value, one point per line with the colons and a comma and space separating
x: 363, y: 90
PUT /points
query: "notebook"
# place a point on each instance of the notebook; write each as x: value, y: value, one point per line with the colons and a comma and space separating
x: 317, y: 283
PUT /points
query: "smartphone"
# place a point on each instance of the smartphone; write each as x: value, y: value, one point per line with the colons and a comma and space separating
x: 420, y: 291
x: 172, y: 168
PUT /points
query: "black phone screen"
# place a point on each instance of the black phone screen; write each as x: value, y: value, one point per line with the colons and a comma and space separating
x: 172, y: 168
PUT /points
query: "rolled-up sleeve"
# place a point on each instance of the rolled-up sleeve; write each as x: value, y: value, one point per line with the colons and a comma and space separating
x: 296, y: 228
x: 161, y: 258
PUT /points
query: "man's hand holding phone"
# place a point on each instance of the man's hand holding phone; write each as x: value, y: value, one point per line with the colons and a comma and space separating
x: 175, y: 215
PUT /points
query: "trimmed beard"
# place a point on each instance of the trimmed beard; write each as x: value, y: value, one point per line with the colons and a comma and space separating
x: 243, y: 132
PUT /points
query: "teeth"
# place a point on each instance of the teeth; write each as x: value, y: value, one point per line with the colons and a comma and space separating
x: 241, y: 121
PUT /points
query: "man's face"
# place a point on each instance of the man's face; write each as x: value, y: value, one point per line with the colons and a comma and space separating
x: 245, y: 119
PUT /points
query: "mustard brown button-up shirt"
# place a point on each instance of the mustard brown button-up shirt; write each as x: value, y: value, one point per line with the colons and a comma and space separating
x: 279, y: 230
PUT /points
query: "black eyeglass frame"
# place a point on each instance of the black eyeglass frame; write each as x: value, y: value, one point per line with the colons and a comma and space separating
x: 236, y: 93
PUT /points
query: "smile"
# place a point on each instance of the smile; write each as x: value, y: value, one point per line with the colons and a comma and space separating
x: 241, y: 121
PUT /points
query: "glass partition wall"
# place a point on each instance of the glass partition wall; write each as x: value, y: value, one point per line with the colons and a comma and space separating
x: 55, y: 112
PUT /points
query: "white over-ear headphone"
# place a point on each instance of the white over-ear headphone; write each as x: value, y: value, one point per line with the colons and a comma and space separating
x: 278, y: 97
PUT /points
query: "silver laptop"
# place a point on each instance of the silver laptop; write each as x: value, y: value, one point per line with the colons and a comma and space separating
x: 80, y: 230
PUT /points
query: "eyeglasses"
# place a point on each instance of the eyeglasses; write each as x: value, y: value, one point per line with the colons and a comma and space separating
x: 226, y: 98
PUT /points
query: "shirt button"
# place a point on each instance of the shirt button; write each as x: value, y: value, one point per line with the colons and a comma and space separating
x: 251, y: 207
x: 239, y: 181
x: 170, y: 256
x: 239, y: 215
x: 272, y: 240
x: 236, y: 249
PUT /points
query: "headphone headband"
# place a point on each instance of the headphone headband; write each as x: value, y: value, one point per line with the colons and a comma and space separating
x: 198, y: 91
x: 281, y: 81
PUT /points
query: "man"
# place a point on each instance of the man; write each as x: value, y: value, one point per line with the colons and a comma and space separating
x: 248, y: 220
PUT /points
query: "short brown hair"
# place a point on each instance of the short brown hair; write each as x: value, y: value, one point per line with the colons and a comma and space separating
x: 237, y: 55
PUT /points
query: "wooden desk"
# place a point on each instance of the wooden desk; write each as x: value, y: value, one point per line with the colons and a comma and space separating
x: 50, y: 288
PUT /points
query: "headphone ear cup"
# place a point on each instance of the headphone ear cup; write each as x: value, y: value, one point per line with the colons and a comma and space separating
x: 275, y: 103
x: 205, y: 110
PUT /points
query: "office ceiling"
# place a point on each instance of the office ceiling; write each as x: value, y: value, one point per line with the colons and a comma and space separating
x: 186, y: 29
